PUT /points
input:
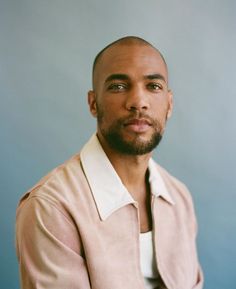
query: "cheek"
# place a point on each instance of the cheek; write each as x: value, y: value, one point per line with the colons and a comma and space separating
x: 105, y: 114
x: 109, y: 107
x: 161, y: 109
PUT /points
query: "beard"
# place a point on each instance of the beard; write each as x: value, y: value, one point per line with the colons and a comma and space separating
x: 136, y: 146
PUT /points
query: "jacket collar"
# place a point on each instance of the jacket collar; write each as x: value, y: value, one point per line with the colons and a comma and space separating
x: 107, y: 188
x: 158, y: 187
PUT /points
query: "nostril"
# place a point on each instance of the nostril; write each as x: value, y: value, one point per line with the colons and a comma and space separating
x: 136, y: 101
x: 137, y: 107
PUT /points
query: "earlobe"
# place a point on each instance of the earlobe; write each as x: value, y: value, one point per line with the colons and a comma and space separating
x: 170, y: 109
x: 169, y: 114
x: 92, y: 103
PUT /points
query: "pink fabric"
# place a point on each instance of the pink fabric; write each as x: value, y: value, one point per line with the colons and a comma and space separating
x: 62, y: 242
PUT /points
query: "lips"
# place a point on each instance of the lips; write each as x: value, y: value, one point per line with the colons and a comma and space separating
x: 137, y: 121
x: 137, y: 125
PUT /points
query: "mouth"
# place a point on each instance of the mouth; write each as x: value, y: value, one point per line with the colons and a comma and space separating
x: 138, y: 125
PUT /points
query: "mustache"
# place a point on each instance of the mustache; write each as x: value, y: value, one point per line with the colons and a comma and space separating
x: 137, y: 116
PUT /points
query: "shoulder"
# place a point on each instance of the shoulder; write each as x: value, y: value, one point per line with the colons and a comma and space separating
x: 183, y: 208
x: 59, y: 185
x: 177, y: 189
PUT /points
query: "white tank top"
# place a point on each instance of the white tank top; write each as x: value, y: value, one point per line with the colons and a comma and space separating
x: 148, y: 263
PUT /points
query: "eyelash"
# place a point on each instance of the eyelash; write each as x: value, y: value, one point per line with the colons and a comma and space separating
x: 155, y: 86
x: 117, y: 86
x: 121, y: 86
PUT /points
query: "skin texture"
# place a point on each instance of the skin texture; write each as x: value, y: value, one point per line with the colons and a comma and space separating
x: 131, y: 96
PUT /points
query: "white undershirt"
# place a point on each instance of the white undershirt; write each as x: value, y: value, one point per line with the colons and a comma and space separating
x: 148, y: 263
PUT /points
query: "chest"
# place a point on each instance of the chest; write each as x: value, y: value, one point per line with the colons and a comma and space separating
x: 112, y: 247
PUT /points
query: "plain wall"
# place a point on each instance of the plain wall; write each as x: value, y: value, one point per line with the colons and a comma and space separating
x: 46, y: 54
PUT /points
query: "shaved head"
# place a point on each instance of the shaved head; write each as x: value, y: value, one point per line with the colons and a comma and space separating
x: 124, y: 41
x: 130, y: 96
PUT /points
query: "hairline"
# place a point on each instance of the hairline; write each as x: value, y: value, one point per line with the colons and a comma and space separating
x: 128, y: 40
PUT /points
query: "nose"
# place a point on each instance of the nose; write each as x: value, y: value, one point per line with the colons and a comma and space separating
x: 137, y: 99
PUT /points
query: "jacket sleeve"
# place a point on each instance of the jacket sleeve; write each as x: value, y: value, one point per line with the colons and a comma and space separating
x: 199, y: 284
x: 182, y: 216
x: 200, y: 276
x: 49, y: 248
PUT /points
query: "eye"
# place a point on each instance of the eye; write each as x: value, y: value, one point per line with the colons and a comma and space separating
x: 116, y: 87
x: 154, y: 86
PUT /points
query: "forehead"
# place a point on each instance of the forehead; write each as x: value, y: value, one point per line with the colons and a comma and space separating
x: 134, y: 60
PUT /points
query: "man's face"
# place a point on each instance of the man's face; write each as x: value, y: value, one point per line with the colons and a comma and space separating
x: 131, y: 99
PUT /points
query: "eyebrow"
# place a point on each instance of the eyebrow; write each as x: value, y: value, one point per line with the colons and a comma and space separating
x: 121, y: 76
x: 118, y: 76
x: 155, y: 76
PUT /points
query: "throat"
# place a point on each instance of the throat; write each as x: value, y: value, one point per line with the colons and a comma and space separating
x: 143, y: 197
x: 145, y: 215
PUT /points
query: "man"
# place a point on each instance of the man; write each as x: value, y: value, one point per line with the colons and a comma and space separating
x: 110, y: 217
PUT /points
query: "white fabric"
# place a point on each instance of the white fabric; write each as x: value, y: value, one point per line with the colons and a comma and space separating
x: 147, y: 260
x: 108, y: 190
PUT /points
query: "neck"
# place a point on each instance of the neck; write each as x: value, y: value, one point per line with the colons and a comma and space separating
x: 132, y: 169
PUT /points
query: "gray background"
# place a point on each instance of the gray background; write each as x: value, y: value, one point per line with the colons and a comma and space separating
x: 46, y: 54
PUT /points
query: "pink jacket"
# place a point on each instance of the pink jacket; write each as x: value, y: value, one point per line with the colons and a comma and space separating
x: 64, y: 242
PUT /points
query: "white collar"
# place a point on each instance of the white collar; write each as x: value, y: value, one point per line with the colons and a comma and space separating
x: 107, y: 188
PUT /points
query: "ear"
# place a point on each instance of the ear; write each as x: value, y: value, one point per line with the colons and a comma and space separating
x: 170, y: 104
x: 92, y: 103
